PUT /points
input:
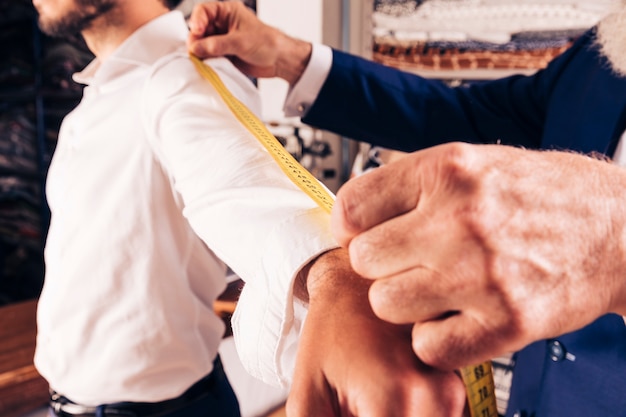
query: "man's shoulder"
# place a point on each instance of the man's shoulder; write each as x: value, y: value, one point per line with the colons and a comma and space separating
x: 175, y: 74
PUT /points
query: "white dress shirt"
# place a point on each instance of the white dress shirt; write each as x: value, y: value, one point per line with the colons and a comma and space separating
x: 153, y: 188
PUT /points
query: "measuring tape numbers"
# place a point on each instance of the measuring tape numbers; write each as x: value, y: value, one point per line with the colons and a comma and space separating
x: 478, y: 379
x: 481, y: 390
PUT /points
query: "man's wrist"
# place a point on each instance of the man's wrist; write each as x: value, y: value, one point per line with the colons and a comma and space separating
x: 303, y: 94
x: 313, y: 274
x: 293, y: 61
x: 330, y: 275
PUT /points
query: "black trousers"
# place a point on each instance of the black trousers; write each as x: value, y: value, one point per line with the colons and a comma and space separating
x: 212, y: 396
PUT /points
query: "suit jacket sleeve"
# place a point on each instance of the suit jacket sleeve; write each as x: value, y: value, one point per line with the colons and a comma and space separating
x: 370, y: 102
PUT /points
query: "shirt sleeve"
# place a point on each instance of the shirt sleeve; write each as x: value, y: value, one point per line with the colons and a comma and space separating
x: 240, y: 204
x: 302, y: 95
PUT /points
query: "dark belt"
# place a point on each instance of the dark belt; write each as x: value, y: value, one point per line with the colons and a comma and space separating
x: 64, y: 407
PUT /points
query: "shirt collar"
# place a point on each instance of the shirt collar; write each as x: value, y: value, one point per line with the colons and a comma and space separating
x: 146, y: 45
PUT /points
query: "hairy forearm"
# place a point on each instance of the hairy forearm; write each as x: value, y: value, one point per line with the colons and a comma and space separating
x: 328, y: 272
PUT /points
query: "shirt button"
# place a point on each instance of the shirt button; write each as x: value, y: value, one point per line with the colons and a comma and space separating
x: 519, y: 413
x: 301, y: 108
x: 556, y: 351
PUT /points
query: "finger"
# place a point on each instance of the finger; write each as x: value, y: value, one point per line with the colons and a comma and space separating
x: 210, y: 33
x: 384, y: 193
x: 457, y: 341
x: 199, y: 19
x: 416, y: 238
x: 373, y: 198
x: 393, y: 246
x: 433, y: 236
x: 214, y: 45
x: 414, y: 296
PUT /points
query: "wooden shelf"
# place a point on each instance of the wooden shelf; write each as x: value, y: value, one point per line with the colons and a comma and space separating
x: 22, y: 389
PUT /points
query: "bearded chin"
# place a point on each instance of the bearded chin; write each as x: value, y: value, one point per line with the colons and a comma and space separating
x: 611, y: 37
x: 77, y: 20
x: 67, y: 27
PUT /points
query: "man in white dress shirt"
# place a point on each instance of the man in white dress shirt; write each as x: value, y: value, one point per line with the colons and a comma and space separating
x: 153, y: 188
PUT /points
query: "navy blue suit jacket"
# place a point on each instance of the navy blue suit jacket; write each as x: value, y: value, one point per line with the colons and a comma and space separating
x: 575, y: 103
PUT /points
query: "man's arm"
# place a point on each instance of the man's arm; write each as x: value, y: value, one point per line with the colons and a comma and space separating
x: 487, y: 248
x: 352, y: 363
x: 371, y: 102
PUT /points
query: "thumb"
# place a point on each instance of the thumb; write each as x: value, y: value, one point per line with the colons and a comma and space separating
x: 355, y: 211
x: 211, y: 46
x: 413, y: 296
x: 197, y: 23
x: 454, y: 342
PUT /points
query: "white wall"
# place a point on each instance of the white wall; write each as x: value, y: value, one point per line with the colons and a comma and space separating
x: 298, y: 18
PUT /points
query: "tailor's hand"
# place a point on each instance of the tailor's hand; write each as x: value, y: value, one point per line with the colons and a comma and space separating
x: 231, y: 29
x: 487, y: 248
x: 350, y: 363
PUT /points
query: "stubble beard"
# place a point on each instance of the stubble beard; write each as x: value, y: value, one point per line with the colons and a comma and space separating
x: 76, y: 20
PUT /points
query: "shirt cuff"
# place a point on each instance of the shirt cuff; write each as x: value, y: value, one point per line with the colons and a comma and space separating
x: 268, y: 319
x: 302, y: 95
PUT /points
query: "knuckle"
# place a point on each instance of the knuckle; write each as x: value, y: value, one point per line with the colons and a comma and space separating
x: 468, y: 169
x: 458, y: 161
x: 480, y: 208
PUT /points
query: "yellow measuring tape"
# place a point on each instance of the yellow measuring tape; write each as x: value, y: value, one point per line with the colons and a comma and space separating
x: 478, y: 379
x: 298, y: 175
x: 481, y: 390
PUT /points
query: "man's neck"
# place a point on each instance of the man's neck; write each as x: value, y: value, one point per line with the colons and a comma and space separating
x: 110, y: 30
